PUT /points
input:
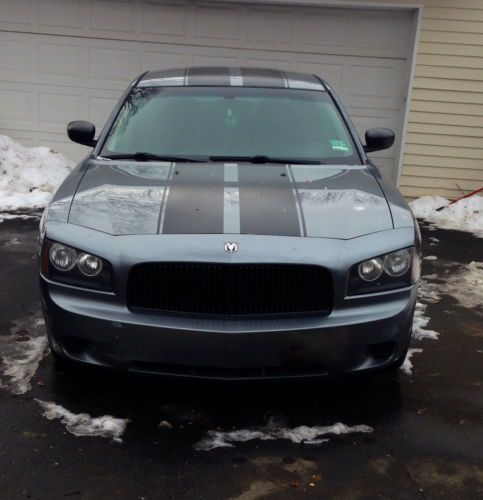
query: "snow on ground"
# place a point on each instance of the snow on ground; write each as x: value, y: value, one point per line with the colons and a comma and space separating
x: 12, y: 242
x: 21, y: 353
x: 301, y: 434
x: 82, y: 424
x: 29, y: 176
x: 464, y: 215
x: 17, y: 216
x: 407, y: 366
x: 428, y: 294
x: 465, y: 285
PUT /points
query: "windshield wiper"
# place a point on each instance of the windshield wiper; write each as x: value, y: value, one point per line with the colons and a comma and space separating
x: 267, y: 159
x: 141, y: 156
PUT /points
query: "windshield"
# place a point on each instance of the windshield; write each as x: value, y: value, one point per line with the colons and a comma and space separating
x: 202, y: 122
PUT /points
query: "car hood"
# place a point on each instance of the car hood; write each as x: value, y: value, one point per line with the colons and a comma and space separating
x: 329, y: 201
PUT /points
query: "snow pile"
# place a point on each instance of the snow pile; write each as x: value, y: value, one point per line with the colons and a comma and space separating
x: 464, y: 215
x: 83, y: 424
x: 407, y: 366
x: 302, y: 434
x: 29, y: 176
x: 21, y: 353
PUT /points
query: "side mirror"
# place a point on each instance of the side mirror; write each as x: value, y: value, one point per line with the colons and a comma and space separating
x: 82, y: 132
x: 378, y: 139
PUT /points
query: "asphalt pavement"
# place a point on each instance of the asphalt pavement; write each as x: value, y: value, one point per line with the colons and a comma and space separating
x: 426, y: 442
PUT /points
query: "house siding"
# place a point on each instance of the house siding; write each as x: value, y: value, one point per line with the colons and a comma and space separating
x: 443, y: 152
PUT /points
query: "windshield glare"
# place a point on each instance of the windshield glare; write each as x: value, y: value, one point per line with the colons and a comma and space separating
x: 230, y: 121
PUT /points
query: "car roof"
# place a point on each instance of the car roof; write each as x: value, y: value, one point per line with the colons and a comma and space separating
x: 222, y: 76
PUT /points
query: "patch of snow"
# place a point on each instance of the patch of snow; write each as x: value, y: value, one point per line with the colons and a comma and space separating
x: 17, y: 216
x: 464, y: 215
x: 82, y: 424
x: 21, y: 353
x: 466, y: 286
x: 420, y: 322
x: 11, y: 243
x: 301, y: 434
x: 430, y: 257
x: 29, y: 176
x: 164, y: 424
x: 428, y: 294
x: 407, y: 366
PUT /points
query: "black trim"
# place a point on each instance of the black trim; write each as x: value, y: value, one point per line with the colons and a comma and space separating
x: 194, y: 204
x: 267, y: 201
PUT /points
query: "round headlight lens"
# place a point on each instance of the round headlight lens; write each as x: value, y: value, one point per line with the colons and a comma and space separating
x: 62, y: 257
x: 370, y: 270
x: 397, y: 263
x: 89, y: 265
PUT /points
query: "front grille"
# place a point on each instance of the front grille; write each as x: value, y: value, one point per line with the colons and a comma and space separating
x: 230, y: 289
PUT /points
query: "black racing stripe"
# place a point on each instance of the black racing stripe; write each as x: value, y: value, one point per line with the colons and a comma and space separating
x: 267, y: 201
x: 195, y: 200
x: 259, y: 77
x: 208, y: 76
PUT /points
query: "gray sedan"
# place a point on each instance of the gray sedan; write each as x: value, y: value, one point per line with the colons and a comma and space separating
x: 228, y: 224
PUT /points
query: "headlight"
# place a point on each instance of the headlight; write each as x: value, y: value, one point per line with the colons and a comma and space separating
x: 89, y: 265
x: 370, y: 270
x: 69, y: 265
x: 62, y: 257
x: 397, y: 263
x: 385, y: 272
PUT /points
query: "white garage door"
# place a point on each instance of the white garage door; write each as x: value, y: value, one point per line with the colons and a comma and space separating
x: 62, y: 60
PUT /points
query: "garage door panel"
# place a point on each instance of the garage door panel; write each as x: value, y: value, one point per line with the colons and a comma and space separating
x: 161, y: 58
x: 112, y: 64
x: 326, y: 29
x: 381, y: 31
x: 59, y: 13
x: 47, y: 80
x: 374, y: 85
x: 165, y: 18
x: 17, y: 108
x: 273, y: 25
x: 54, y: 108
x: 64, y: 60
x: 113, y: 15
x: 16, y: 56
x: 261, y: 28
x: 17, y: 12
x: 212, y: 60
x: 214, y: 22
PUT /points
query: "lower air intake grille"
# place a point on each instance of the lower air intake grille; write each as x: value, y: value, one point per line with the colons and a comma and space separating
x: 230, y: 289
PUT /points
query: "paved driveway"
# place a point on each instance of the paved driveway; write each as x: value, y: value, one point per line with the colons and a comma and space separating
x: 427, y: 427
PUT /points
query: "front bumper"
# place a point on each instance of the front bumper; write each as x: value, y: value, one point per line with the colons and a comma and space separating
x: 370, y: 332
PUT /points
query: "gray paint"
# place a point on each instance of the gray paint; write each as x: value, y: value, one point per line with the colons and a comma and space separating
x: 129, y: 213
x: 333, y: 201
